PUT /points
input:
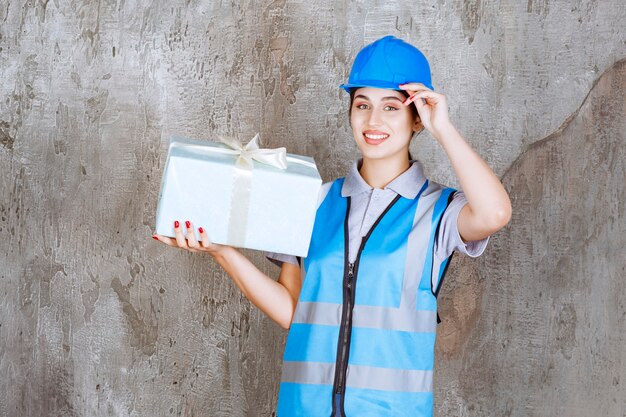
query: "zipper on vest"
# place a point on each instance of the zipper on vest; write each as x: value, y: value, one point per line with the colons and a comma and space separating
x: 345, y: 329
x: 349, y: 294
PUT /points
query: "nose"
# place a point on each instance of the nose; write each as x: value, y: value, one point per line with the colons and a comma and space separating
x: 375, y: 117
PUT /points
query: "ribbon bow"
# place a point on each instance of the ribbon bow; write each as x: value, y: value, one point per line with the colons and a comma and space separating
x: 274, y: 157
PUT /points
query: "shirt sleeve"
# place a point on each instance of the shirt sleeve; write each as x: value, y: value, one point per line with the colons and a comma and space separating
x: 278, y: 258
x: 449, y: 239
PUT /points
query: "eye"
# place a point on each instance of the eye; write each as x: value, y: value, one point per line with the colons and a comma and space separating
x: 361, y: 106
x: 388, y: 107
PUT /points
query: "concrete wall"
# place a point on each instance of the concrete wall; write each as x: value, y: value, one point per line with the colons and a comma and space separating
x: 97, y: 319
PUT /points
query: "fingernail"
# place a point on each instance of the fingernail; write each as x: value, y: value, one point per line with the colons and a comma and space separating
x: 155, y: 237
x: 176, y: 224
x: 187, y: 224
x: 201, y: 230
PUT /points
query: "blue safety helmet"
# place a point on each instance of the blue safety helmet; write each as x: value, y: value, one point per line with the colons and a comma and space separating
x: 387, y: 63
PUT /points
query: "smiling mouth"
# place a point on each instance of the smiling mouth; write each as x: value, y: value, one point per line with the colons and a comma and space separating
x: 375, y: 137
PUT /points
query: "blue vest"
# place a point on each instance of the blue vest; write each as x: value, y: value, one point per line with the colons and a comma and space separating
x: 364, y: 332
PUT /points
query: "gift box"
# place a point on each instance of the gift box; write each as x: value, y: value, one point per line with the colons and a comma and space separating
x: 243, y: 196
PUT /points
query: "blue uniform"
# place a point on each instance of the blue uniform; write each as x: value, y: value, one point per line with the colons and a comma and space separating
x: 362, y: 338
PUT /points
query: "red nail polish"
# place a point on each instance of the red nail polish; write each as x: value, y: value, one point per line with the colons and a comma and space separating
x: 187, y: 224
x: 176, y: 224
x: 155, y: 238
x: 201, y: 230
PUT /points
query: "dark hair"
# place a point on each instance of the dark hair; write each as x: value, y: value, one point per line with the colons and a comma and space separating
x: 414, y: 112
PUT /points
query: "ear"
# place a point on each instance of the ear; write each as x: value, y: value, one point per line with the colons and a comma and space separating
x: 417, y: 125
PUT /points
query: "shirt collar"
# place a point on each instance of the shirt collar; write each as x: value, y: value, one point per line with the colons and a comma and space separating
x: 406, y: 184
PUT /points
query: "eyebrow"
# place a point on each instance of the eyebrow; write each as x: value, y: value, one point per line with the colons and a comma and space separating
x: 384, y: 98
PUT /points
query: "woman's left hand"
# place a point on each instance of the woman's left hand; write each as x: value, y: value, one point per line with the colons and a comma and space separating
x: 433, y: 109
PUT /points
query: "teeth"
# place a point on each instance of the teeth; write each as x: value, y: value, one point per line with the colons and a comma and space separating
x: 376, y: 136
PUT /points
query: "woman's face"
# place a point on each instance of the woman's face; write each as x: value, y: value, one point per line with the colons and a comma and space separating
x: 381, y: 124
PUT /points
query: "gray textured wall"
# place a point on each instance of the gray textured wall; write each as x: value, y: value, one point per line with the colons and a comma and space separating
x: 96, y: 319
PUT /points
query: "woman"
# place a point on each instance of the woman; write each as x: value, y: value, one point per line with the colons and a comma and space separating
x: 362, y: 323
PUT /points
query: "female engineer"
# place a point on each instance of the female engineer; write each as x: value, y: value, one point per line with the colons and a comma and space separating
x: 361, y: 308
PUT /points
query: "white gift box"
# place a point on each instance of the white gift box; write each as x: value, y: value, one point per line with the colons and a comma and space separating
x: 239, y: 201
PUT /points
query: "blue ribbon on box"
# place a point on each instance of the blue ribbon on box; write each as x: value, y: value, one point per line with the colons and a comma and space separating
x: 242, y: 182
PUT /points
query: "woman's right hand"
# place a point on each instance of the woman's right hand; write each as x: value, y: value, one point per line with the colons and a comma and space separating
x: 190, y: 242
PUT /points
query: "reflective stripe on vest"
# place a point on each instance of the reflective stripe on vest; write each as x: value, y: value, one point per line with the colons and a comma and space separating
x: 391, y: 343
